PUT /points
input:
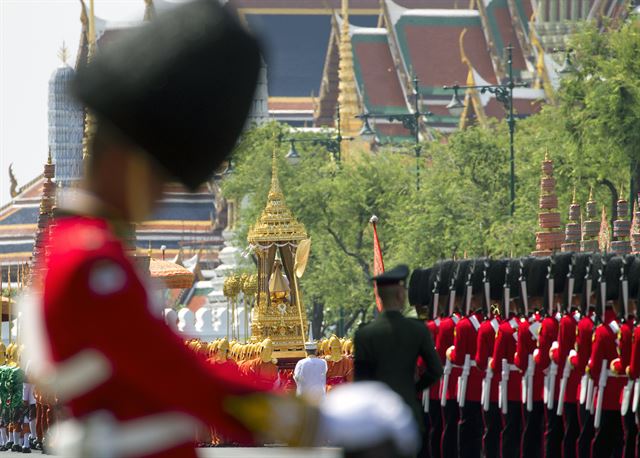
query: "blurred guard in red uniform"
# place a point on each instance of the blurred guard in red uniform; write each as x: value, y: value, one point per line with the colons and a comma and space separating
x: 606, y: 369
x: 509, y: 383
x: 562, y: 274
x: 584, y: 339
x: 633, y: 370
x: 566, y: 354
x: 448, y: 385
x: 528, y: 359
x: 435, y: 411
x: 463, y: 354
x: 420, y: 298
x: 626, y: 335
x: 170, y: 100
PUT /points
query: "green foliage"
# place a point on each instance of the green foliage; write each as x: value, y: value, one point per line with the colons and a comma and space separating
x: 463, y: 203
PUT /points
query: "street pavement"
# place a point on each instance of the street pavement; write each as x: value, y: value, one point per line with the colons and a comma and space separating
x: 239, y: 452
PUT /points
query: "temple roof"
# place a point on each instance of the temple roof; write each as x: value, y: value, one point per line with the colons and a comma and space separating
x: 182, y: 220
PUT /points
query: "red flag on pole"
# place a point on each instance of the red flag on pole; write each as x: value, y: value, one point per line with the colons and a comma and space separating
x: 378, y: 262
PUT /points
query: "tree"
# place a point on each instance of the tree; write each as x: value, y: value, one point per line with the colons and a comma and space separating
x: 335, y: 202
x: 462, y: 207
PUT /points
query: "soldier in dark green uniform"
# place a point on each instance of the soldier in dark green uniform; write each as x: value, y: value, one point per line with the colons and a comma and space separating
x: 387, y: 349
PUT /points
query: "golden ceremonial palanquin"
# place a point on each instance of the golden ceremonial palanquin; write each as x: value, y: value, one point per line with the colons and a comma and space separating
x: 279, y: 311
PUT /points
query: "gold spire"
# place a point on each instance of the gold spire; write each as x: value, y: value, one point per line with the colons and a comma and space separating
x: 63, y: 53
x: 591, y: 194
x: 471, y: 97
x: 149, y: 10
x: 604, y: 237
x: 92, y: 29
x: 573, y: 199
x: 89, y: 121
x: 348, y: 94
x: 276, y: 223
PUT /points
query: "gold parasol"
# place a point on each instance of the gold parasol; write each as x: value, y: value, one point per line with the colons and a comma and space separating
x: 173, y: 276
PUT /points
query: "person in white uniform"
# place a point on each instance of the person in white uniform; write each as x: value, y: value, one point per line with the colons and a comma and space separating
x: 310, y: 375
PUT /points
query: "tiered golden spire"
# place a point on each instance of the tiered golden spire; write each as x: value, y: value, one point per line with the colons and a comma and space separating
x: 348, y: 93
x: 472, y: 97
x: 604, y: 237
x: 549, y: 238
x: 89, y: 121
x: 47, y: 204
x: 149, y: 10
x: 276, y: 223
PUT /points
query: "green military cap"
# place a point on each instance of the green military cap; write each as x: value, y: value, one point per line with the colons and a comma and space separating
x: 397, y: 275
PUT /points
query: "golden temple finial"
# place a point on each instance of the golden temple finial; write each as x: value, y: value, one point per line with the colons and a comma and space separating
x: 546, y: 154
x: 89, y: 123
x: 573, y: 199
x: 347, y: 90
x: 472, y: 97
x: 49, y: 160
x: 604, y: 237
x: 591, y: 194
x: 13, y: 190
x: 91, y: 38
x: 149, y: 10
x: 63, y: 53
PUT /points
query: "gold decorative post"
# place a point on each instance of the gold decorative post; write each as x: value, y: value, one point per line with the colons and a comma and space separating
x: 348, y: 92
x: 276, y: 312
x: 9, y: 303
x: 89, y: 121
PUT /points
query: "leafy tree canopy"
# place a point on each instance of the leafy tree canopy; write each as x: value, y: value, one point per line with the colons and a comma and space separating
x: 462, y: 207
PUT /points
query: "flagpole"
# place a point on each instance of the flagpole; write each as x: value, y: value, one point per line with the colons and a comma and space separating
x: 378, y: 262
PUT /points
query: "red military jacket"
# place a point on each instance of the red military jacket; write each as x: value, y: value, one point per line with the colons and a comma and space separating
x: 584, y: 337
x: 445, y: 339
x: 567, y: 332
x: 465, y: 343
x: 548, y: 335
x: 434, y: 327
x: 605, y: 347
x: 486, y: 341
x: 624, y: 347
x: 528, y: 334
x: 505, y: 348
x: 634, y: 365
x: 99, y: 328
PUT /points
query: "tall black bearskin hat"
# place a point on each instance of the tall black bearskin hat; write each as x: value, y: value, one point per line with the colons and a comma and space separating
x: 614, y: 269
x: 562, y: 263
x: 463, y: 268
x: 581, y: 263
x: 537, y: 276
x: 497, y: 270
x: 447, y: 270
x: 420, y: 288
x: 514, y: 275
x: 478, y: 273
x: 634, y: 277
x: 179, y: 87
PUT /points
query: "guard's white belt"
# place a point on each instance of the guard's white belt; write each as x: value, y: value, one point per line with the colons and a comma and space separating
x: 100, y: 435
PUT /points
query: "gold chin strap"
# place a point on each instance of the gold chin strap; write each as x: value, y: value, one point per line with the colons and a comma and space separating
x: 138, y: 180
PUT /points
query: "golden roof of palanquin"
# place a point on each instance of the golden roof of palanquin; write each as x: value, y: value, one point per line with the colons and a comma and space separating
x: 276, y: 223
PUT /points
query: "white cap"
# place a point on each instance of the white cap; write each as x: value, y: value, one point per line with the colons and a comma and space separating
x: 310, y: 346
x: 362, y: 415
